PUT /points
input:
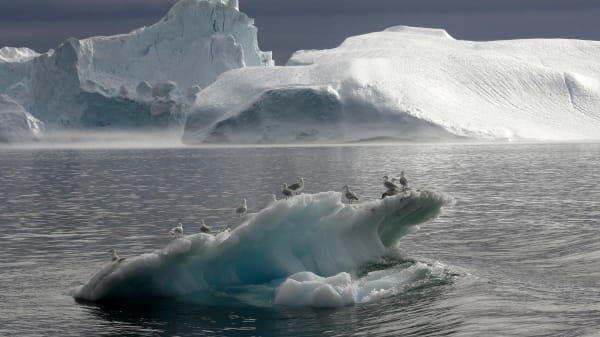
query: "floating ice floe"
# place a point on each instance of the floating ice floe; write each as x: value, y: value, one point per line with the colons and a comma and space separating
x: 313, y: 233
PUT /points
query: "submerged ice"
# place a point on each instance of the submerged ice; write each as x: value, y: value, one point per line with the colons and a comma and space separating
x: 315, y: 235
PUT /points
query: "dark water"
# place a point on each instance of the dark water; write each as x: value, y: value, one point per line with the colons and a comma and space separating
x: 522, y: 243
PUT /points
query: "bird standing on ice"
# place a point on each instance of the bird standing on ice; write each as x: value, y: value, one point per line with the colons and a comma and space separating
x: 286, y: 191
x: 177, y: 231
x: 298, y: 187
x: 349, y: 194
x: 204, y: 228
x: 241, y: 211
x: 388, y: 184
x: 115, y: 256
x: 403, y: 181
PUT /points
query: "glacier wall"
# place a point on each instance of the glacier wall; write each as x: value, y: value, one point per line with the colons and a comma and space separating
x: 314, y: 233
x: 409, y: 83
x: 145, y: 78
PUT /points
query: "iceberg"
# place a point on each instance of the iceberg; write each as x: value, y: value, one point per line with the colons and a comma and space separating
x: 143, y: 79
x: 309, y: 233
x: 408, y: 83
x: 16, y: 124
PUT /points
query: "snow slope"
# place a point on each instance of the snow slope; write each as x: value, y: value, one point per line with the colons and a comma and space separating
x: 409, y: 83
x: 143, y: 78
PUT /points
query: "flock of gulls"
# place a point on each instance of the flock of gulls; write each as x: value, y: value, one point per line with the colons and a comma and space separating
x: 289, y: 191
x: 296, y: 188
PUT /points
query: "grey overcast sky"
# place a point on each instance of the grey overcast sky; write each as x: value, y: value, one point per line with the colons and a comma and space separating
x: 285, y: 26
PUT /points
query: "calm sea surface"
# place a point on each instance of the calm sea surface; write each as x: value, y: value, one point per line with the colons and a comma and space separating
x: 521, y: 244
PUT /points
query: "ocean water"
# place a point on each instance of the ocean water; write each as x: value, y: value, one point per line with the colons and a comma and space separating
x: 517, y: 254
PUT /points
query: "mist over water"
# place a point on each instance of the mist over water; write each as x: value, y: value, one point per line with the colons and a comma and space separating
x: 102, y: 139
x: 518, y: 254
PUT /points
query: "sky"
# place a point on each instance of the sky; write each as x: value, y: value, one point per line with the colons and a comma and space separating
x: 286, y: 26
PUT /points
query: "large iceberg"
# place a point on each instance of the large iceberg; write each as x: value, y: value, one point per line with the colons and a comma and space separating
x: 145, y: 78
x: 409, y: 83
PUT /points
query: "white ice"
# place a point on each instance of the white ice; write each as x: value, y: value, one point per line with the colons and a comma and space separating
x: 314, y: 233
x: 409, y: 83
x: 16, y: 124
x: 142, y: 79
x: 308, y: 289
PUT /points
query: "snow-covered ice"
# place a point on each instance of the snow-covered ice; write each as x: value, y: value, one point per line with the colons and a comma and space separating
x: 200, y: 68
x: 409, y: 83
x: 11, y: 54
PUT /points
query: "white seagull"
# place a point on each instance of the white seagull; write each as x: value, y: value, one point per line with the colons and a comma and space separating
x: 298, y: 187
x: 349, y: 194
x: 241, y: 211
x: 204, y: 228
x: 115, y: 256
x: 286, y: 191
x: 177, y: 231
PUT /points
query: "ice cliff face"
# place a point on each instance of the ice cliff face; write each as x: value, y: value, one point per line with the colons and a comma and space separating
x: 409, y: 83
x: 16, y: 124
x: 141, y: 79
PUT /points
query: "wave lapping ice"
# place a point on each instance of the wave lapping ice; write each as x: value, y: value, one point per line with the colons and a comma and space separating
x: 309, y: 289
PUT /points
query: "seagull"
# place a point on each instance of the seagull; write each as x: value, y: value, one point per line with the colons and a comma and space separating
x: 298, y: 187
x: 349, y: 194
x: 241, y: 211
x: 274, y: 198
x: 115, y: 256
x: 177, y: 231
x: 403, y: 181
x: 388, y: 184
x: 204, y: 228
x: 286, y: 191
